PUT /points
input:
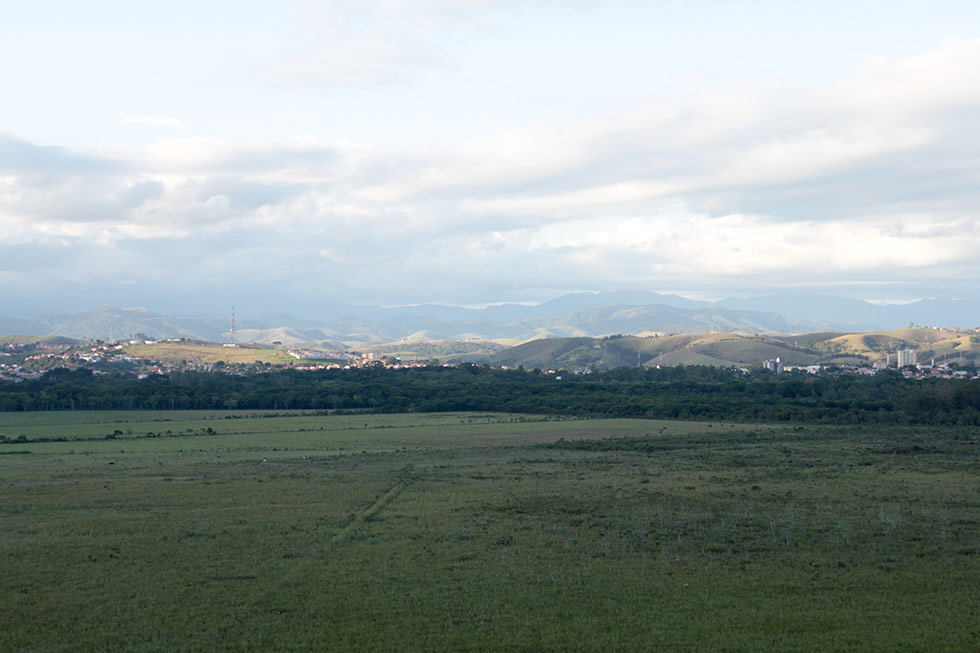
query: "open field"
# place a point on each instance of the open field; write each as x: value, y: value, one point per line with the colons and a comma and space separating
x: 465, y: 531
x: 176, y: 352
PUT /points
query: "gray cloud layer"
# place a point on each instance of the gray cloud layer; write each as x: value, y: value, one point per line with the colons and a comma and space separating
x: 868, y: 185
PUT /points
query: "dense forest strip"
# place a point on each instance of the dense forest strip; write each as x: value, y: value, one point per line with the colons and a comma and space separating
x: 692, y: 392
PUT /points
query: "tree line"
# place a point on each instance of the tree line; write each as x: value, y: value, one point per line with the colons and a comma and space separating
x: 683, y: 392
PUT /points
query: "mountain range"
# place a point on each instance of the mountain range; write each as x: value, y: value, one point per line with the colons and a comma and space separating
x: 585, y: 314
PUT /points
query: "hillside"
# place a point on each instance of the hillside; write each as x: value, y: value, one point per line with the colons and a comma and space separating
x: 439, y: 350
x: 928, y: 343
x: 695, y: 349
x: 542, y: 352
x: 290, y: 337
x: 725, y: 349
x: 742, y: 351
x: 20, y: 339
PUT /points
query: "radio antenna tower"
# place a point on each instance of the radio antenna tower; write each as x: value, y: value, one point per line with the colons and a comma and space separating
x: 233, y: 324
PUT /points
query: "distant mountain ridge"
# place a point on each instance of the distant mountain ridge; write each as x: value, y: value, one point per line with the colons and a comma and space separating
x: 945, y: 312
x: 583, y: 314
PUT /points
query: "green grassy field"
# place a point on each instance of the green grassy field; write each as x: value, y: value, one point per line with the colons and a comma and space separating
x: 204, y: 530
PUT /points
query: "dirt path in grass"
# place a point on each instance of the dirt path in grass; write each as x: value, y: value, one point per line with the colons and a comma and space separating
x: 390, y: 495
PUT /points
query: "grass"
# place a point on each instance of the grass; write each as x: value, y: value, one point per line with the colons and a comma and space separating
x: 472, y: 532
x: 176, y: 352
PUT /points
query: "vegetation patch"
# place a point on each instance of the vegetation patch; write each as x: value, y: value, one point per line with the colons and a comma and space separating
x: 702, y: 393
x: 476, y: 531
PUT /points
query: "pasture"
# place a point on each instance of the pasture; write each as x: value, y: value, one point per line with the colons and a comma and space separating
x: 176, y: 352
x: 465, y: 531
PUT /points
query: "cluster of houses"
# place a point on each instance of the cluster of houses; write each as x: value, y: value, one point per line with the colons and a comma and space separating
x: 906, y: 362
x: 100, y: 356
x: 25, y: 362
x: 16, y: 373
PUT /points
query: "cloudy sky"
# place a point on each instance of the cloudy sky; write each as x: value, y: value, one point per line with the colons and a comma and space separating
x: 180, y: 155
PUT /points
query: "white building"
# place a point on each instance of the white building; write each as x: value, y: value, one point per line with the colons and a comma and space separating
x: 773, y: 365
x: 907, y: 357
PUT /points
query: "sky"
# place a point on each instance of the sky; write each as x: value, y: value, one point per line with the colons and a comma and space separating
x: 184, y: 156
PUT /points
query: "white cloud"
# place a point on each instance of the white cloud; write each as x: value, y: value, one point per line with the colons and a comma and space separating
x: 355, y: 44
x: 726, y: 150
x: 296, y: 160
x: 152, y: 121
x: 385, y: 41
x: 871, y: 177
x: 346, y: 61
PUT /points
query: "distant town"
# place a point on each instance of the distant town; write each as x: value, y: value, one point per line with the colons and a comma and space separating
x: 146, y: 357
x: 31, y: 360
x: 905, y: 361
